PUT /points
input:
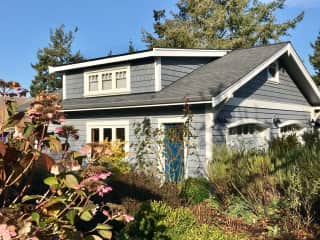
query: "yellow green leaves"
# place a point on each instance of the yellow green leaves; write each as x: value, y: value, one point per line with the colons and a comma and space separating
x: 71, y: 181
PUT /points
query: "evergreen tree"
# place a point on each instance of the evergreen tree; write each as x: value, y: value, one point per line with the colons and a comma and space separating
x: 57, y: 52
x: 315, y: 59
x: 131, y: 47
x: 219, y: 24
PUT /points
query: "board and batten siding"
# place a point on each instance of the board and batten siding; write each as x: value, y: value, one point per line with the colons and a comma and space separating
x: 173, y: 68
x: 286, y: 91
x: 196, y: 163
x: 142, y: 79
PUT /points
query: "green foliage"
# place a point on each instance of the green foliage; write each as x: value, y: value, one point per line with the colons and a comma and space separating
x: 195, y: 190
x: 59, y: 51
x: 156, y: 220
x: 238, y: 208
x: 219, y: 24
x: 315, y: 59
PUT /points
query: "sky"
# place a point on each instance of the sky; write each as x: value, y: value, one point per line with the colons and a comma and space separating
x: 106, y: 25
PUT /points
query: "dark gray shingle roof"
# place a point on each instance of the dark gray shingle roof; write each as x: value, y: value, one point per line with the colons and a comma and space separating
x: 202, y: 84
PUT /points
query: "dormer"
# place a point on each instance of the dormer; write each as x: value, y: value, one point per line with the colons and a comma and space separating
x: 139, y: 72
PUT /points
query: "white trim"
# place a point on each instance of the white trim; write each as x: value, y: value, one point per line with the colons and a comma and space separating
x: 291, y: 122
x: 156, y: 52
x: 108, y: 124
x: 162, y: 121
x: 157, y: 73
x: 304, y: 70
x: 244, y: 102
x: 114, y: 90
x: 64, y: 88
x: 230, y: 90
x: 247, y: 121
x: 136, y: 106
x: 276, y: 78
x: 209, y: 116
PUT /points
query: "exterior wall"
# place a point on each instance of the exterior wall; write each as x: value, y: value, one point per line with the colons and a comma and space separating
x: 142, y: 79
x: 260, y: 89
x: 196, y: 164
x: 173, y: 68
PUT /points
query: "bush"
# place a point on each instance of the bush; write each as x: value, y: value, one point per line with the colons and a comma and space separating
x: 195, y: 190
x: 157, y: 220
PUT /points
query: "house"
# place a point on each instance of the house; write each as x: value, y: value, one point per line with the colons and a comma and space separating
x: 241, y: 98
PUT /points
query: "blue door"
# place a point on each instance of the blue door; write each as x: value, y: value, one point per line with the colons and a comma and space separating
x: 174, y: 151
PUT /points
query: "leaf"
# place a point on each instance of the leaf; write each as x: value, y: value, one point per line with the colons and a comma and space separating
x: 106, y: 234
x: 93, y: 237
x: 71, y: 181
x: 50, y: 181
x: 101, y: 226
x: 35, y: 217
x: 3, y: 148
x: 54, y: 144
x: 30, y: 197
x: 71, y: 214
x: 28, y: 130
x: 54, y: 201
x: 86, y: 216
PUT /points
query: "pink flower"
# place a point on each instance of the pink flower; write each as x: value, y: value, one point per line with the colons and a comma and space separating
x: 101, y: 190
x: 59, y: 130
x: 128, y: 218
x: 104, y: 175
x: 106, y: 213
x: 85, y: 149
x: 80, y: 186
x: 98, y: 149
x: 7, y: 232
x: 50, y: 115
x: 108, y: 152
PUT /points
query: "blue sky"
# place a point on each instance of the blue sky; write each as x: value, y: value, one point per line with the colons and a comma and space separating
x: 103, y: 26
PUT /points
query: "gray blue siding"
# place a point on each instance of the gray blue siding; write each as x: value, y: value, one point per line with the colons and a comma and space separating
x: 196, y: 162
x: 141, y: 72
x: 260, y: 89
x: 174, y: 68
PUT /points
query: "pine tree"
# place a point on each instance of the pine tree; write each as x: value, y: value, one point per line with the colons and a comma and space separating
x: 315, y: 59
x: 131, y: 48
x: 219, y: 24
x: 57, y: 52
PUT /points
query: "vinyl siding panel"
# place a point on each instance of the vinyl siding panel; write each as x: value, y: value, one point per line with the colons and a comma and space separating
x: 173, y: 68
x: 261, y: 89
x: 196, y: 164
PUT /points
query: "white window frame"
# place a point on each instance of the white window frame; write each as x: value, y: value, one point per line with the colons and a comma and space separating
x: 298, y: 133
x: 161, y: 122
x: 109, y: 124
x: 264, y: 133
x: 111, y: 91
x: 276, y: 78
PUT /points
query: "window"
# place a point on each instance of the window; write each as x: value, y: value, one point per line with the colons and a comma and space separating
x: 108, y: 131
x: 107, y: 81
x: 245, y: 129
x: 247, y: 134
x: 291, y: 128
x: 273, y: 72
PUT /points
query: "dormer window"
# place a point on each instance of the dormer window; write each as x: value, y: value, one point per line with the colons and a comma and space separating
x: 273, y: 72
x: 107, y: 81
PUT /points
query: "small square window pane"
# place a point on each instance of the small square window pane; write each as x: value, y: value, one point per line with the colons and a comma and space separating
x: 95, y: 135
x: 93, y: 83
x: 121, y: 134
x: 106, y: 81
x: 121, y: 79
x: 107, y: 134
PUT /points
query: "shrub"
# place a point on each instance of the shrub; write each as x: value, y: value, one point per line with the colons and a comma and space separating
x: 157, y: 220
x: 219, y: 168
x: 195, y: 190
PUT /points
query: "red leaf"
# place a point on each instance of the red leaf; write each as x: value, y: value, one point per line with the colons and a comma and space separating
x: 3, y: 148
x: 46, y: 161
